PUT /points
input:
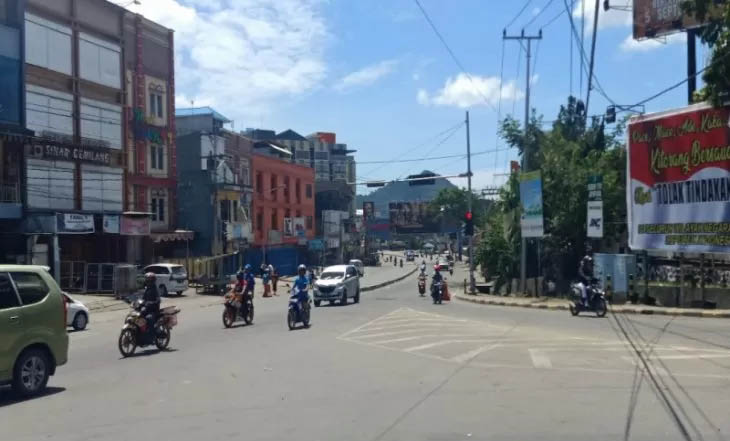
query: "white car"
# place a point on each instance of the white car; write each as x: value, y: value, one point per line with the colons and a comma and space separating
x: 337, y: 283
x: 77, y: 313
x: 171, y: 277
x: 359, y: 265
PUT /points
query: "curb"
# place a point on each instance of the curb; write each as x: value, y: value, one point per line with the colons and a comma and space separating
x: 389, y: 282
x: 564, y: 307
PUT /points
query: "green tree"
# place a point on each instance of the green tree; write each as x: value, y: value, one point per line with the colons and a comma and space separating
x: 716, y: 34
x: 566, y: 155
x: 454, y: 202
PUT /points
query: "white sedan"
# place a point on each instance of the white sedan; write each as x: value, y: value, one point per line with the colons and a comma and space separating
x: 77, y: 315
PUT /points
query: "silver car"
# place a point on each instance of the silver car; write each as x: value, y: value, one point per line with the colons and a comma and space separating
x: 337, y: 283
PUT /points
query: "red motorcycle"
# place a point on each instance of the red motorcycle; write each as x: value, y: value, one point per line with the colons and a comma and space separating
x: 422, y: 284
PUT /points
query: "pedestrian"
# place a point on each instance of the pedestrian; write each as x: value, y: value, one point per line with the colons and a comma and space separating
x: 274, y: 278
x: 265, y: 279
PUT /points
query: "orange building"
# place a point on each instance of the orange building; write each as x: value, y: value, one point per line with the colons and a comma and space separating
x: 283, y: 201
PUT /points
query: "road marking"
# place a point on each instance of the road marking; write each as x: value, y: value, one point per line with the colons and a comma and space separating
x: 438, y: 343
x: 689, y: 357
x: 466, y: 356
x: 540, y: 359
x: 656, y: 369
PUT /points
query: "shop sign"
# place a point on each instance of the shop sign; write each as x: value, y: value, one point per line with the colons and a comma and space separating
x: 111, y: 223
x: 594, y: 216
x: 75, y: 153
x: 653, y: 18
x: 74, y: 223
x: 134, y: 226
x: 531, y: 219
x: 678, y: 189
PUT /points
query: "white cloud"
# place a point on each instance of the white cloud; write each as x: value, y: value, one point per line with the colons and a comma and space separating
x: 243, y: 57
x: 606, y: 19
x: 462, y: 92
x: 631, y: 45
x: 366, y: 76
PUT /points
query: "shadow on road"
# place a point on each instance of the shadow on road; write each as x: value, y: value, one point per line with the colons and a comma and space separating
x: 148, y: 352
x: 8, y: 397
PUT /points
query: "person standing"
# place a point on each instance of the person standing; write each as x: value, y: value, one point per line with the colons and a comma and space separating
x: 274, y: 278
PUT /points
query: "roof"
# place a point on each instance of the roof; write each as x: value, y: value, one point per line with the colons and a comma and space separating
x: 200, y: 111
x: 335, y: 268
x: 279, y: 149
x: 291, y: 135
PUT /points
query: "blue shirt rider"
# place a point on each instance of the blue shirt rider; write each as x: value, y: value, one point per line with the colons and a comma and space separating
x: 301, y: 284
x: 249, y: 279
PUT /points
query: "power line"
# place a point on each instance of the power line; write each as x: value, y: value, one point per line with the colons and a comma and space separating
x: 435, y: 147
x: 432, y: 158
x: 532, y: 20
x: 527, y: 3
x: 453, y: 56
x: 552, y: 20
x: 499, y: 107
x: 517, y: 77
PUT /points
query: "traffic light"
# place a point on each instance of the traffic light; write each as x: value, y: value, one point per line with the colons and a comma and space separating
x: 468, y: 224
x: 610, y: 115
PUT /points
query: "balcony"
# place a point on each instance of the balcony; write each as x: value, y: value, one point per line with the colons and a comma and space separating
x: 11, y: 206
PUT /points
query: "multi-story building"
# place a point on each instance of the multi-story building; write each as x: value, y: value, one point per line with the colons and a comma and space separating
x: 81, y: 95
x: 214, y: 182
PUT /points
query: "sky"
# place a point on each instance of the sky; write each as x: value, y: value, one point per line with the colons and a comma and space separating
x: 376, y: 73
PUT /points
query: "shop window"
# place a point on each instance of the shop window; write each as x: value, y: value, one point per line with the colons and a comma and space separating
x: 99, y: 61
x: 47, y: 44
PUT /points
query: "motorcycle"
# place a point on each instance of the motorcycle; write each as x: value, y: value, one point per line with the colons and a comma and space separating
x: 298, y: 311
x: 137, y: 332
x: 596, y: 299
x: 235, y: 308
x: 422, y: 284
x: 437, y: 293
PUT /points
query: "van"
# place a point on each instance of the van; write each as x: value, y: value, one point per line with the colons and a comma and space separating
x: 359, y: 265
x: 170, y: 277
x: 33, y: 316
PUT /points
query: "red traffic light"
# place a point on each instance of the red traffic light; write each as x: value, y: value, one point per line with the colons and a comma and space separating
x: 468, y: 215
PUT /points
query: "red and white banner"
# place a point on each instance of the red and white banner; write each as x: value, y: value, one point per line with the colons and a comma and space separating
x: 678, y: 185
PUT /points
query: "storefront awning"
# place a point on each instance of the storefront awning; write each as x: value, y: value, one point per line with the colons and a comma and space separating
x: 171, y: 236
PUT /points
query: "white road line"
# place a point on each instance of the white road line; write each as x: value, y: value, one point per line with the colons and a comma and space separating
x: 540, y: 359
x: 396, y: 340
x: 381, y: 334
x: 689, y: 357
x: 409, y: 325
x: 466, y: 356
x: 368, y: 323
x: 438, y: 343
x: 657, y: 369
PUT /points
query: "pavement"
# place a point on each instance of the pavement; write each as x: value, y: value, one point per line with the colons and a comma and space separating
x: 393, y: 367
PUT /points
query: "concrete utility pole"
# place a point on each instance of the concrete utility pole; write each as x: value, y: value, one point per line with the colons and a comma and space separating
x: 691, y: 64
x: 525, y: 152
x: 469, y: 206
x: 593, y: 54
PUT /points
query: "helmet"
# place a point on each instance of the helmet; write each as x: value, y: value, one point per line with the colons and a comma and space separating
x: 301, y: 268
x: 239, y: 275
x: 436, y: 268
x: 247, y: 267
x: 150, y: 277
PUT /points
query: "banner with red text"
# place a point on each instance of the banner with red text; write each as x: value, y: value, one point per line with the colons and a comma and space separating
x: 678, y: 184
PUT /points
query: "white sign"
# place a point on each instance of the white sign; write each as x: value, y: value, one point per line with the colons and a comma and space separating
x: 111, y: 223
x: 73, y: 223
x: 595, y: 219
x: 288, y: 227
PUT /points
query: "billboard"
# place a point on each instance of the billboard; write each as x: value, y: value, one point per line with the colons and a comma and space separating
x: 412, y: 217
x: 655, y: 18
x: 594, y: 214
x: 368, y: 211
x: 678, y: 180
x: 531, y: 204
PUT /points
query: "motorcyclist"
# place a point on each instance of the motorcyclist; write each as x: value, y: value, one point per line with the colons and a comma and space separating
x: 240, y: 282
x: 301, y: 284
x: 150, y: 300
x: 423, y: 267
x: 437, y: 277
x: 585, y: 276
x: 249, y: 281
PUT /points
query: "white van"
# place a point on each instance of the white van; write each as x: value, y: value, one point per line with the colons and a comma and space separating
x: 171, y: 277
x: 359, y: 265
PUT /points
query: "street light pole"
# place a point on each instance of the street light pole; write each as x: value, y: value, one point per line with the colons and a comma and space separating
x: 469, y: 206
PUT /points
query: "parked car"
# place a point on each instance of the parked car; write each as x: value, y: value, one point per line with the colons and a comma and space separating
x: 359, y: 265
x: 443, y: 264
x: 33, y: 327
x: 410, y: 256
x: 170, y: 277
x: 338, y: 282
x: 78, y: 313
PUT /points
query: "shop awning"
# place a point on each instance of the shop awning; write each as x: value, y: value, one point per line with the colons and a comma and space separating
x: 171, y: 236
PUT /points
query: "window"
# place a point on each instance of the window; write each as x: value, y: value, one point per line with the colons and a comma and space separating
x: 8, y: 297
x: 236, y: 216
x: 156, y: 108
x: 50, y: 184
x: 309, y: 191
x: 99, y: 61
x: 158, y: 202
x: 310, y: 222
x: 286, y: 189
x: 287, y: 213
x: 299, y: 213
x: 47, y: 44
x: 260, y: 221
x: 101, y: 121
x: 245, y: 172
x: 48, y: 110
x: 31, y: 287
x: 274, y: 189
x: 274, y: 220
x: 101, y: 188
x: 259, y: 183
x: 157, y: 157
x: 298, y: 191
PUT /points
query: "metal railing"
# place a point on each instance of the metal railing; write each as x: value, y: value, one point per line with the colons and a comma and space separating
x: 9, y: 193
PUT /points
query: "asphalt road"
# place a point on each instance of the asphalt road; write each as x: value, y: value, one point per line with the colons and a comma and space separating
x: 394, y: 367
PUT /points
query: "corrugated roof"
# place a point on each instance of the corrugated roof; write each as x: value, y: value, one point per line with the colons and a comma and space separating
x: 197, y: 111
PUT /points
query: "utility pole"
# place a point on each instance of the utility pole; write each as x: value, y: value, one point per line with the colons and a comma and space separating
x: 691, y: 64
x: 525, y: 152
x: 469, y: 206
x: 593, y: 54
